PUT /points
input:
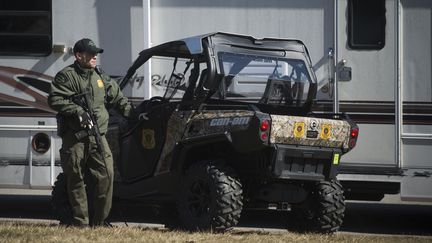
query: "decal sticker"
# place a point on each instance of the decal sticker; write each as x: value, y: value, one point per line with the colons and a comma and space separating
x: 227, y: 121
x: 313, y: 125
x: 312, y: 131
x: 148, y: 138
x: 326, y: 131
x: 100, y: 83
x: 299, y: 129
x: 336, y: 159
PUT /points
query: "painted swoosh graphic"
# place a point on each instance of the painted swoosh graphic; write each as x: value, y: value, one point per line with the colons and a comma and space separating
x: 25, y: 88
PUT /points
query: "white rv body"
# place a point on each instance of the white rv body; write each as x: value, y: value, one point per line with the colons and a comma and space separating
x: 115, y: 25
x: 386, y: 89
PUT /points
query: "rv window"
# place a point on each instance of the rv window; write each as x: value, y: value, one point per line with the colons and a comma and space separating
x: 25, y: 28
x: 366, y: 24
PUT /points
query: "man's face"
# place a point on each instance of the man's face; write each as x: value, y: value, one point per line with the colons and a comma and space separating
x: 86, y: 60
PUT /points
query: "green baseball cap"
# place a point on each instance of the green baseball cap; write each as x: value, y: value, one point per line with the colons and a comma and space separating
x: 86, y: 45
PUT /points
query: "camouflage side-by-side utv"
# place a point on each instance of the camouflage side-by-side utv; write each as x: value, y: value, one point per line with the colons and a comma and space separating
x: 230, y: 128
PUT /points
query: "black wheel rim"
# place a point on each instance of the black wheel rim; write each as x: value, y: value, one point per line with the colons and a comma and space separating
x: 199, y: 198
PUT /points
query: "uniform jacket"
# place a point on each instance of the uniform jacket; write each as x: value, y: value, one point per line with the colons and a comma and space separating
x: 104, y: 92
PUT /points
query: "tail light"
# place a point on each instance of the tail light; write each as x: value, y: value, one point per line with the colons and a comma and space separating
x: 353, y: 137
x: 265, y: 125
x: 264, y: 129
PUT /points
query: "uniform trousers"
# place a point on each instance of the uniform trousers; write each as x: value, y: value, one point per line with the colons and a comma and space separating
x: 80, y: 159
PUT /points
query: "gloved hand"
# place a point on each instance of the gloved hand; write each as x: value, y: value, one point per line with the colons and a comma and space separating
x: 85, y: 120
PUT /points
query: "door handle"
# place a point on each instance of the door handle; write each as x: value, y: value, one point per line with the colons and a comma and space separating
x: 344, y: 72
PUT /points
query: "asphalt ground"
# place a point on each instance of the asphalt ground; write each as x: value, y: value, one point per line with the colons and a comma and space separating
x: 361, y: 217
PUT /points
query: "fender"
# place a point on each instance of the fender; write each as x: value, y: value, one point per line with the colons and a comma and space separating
x: 185, y: 146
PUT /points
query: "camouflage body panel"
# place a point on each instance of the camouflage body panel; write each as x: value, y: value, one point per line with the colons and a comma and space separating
x: 218, y: 122
x: 309, y: 131
x: 176, y: 126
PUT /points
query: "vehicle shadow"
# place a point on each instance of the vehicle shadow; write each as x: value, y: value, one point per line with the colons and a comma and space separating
x: 360, y: 217
x: 25, y: 207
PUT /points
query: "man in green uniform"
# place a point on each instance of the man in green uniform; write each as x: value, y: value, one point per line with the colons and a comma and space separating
x: 81, y: 154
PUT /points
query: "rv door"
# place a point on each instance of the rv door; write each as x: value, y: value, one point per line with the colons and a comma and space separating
x: 366, y: 74
x: 416, y: 88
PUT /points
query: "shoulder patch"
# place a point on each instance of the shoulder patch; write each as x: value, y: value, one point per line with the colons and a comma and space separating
x: 60, y: 78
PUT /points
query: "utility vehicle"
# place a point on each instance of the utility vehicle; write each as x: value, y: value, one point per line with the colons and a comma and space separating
x: 232, y: 129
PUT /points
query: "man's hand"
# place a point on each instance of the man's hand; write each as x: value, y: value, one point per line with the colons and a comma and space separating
x: 85, y: 121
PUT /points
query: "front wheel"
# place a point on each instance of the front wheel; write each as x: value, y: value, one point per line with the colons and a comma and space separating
x: 324, y: 209
x: 210, y: 197
x: 60, y: 201
x: 60, y: 204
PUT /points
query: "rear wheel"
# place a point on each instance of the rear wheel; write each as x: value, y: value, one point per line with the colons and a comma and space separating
x: 324, y: 209
x: 210, y: 197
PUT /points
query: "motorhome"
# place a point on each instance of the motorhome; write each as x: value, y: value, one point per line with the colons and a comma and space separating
x: 372, y: 59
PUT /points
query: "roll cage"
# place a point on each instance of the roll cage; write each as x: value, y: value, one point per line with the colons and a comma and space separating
x: 208, y: 78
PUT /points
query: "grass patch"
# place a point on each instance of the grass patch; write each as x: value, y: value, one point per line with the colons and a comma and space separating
x: 45, y: 232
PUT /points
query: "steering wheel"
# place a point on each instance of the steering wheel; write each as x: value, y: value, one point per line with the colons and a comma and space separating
x: 155, y: 99
x: 146, y: 105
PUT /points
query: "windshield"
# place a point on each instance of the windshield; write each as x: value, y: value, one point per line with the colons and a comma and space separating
x: 170, y: 76
x: 263, y: 79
